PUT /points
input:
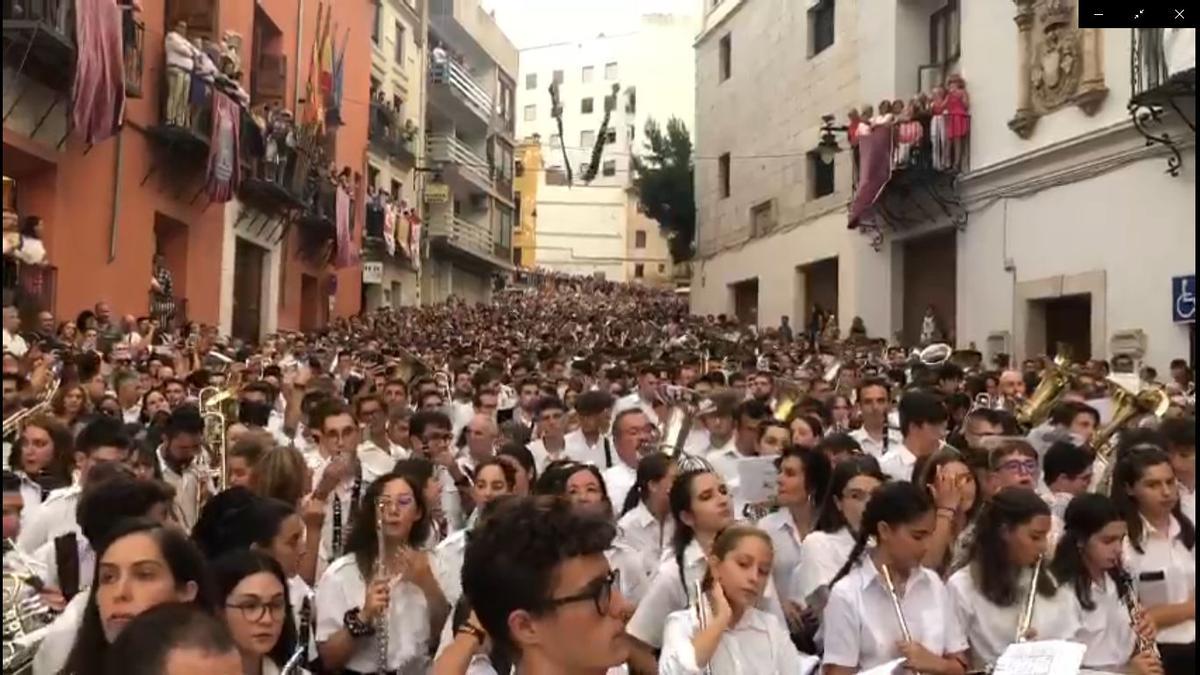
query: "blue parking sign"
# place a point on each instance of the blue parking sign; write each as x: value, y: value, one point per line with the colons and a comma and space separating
x: 1183, y: 299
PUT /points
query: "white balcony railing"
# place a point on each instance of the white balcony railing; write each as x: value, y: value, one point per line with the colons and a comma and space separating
x: 447, y: 148
x: 462, y: 85
x: 462, y: 232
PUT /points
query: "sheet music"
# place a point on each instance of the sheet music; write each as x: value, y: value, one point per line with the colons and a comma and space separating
x: 884, y: 668
x: 1043, y: 657
x: 757, y: 478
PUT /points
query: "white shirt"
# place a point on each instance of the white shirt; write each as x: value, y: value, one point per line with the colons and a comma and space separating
x: 55, y: 516
x: 15, y: 344
x: 990, y: 628
x: 881, y: 448
x: 345, y: 495
x: 860, y: 625
x: 1105, y: 630
x: 634, y: 572
x: 460, y: 414
x: 823, y: 554
x: 542, y: 457
x: 377, y: 461
x: 666, y: 595
x: 619, y: 480
x: 31, y: 497
x: 342, y: 588
x: 898, y: 464
x: 188, y: 486
x: 132, y: 414
x: 758, y: 644
x: 52, y: 655
x: 786, y: 540
x: 447, y: 563
x: 644, y: 533
x: 1187, y: 501
x: 47, y: 560
x: 725, y: 461
x: 1166, y: 558
x: 579, y: 450
x: 298, y: 590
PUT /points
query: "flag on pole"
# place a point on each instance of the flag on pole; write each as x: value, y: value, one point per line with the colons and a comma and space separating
x: 333, y: 116
x: 313, y: 116
x: 325, y: 55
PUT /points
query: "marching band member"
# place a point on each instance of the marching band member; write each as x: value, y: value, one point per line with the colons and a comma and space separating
x: 252, y: 589
x: 183, y: 462
x: 806, y: 428
x: 550, y: 446
x: 884, y: 604
x: 41, y: 460
x: 632, y: 433
x: 802, y: 475
x: 493, y: 479
x: 361, y: 594
x: 992, y: 593
x: 956, y: 498
x: 338, y: 479
x: 923, y: 420
x: 826, y: 550
x: 734, y: 636
x: 645, y: 524
x: 1160, y: 551
x: 589, y: 443
x: 1180, y: 435
x: 773, y: 438
x: 1088, y: 561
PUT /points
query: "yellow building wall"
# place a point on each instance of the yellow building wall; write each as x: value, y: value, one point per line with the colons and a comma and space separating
x: 525, y: 185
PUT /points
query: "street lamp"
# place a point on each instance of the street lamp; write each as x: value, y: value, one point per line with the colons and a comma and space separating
x: 828, y: 147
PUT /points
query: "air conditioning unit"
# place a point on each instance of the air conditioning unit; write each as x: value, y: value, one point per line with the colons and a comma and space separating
x: 998, y: 342
x: 1130, y: 343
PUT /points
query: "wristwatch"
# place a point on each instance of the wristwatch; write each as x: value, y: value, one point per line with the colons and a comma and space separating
x: 354, y: 624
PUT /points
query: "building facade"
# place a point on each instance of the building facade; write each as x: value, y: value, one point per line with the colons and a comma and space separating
x: 251, y: 262
x: 470, y: 140
x: 391, y: 254
x: 1032, y: 233
x: 527, y: 173
x: 584, y: 217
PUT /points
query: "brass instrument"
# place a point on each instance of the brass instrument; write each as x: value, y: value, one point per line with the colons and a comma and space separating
x: 1127, y: 404
x: 26, y: 616
x: 931, y: 356
x: 15, y: 422
x: 1035, y: 409
x: 216, y: 408
x: 787, y: 395
x: 1026, y: 621
x: 1129, y: 597
x: 888, y: 583
x: 680, y: 418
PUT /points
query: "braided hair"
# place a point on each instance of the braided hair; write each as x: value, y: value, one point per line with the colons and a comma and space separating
x: 681, y: 502
x: 898, y: 503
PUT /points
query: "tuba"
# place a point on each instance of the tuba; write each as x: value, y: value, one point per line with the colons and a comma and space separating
x: 1034, y: 410
x: 1127, y: 404
x: 679, y: 420
x: 26, y: 617
x: 217, y: 407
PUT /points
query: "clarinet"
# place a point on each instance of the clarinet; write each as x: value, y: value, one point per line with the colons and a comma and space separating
x: 299, y: 658
x: 1126, y: 592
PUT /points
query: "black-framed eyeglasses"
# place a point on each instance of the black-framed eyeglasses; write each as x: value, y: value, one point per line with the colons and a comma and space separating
x: 255, y: 610
x: 600, y: 592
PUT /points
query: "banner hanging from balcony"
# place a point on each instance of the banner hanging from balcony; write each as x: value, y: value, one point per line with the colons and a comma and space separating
x: 98, y: 95
x: 875, y: 170
x: 345, y: 254
x: 224, y: 169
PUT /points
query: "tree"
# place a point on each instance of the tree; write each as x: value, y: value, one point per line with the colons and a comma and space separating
x: 663, y: 178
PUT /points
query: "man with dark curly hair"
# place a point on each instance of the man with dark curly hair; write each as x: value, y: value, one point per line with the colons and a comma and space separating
x: 542, y: 590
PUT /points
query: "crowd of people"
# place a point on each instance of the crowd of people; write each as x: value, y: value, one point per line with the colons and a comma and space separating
x: 581, y: 477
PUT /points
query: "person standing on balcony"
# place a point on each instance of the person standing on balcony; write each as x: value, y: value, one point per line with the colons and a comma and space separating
x: 180, y: 60
x: 13, y: 342
x: 162, y: 299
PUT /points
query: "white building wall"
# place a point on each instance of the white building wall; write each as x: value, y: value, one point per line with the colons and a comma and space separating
x: 581, y: 230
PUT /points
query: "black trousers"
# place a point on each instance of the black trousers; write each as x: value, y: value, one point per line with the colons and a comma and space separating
x: 1178, y: 659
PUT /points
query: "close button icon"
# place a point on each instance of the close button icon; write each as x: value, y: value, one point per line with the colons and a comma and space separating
x: 1179, y: 15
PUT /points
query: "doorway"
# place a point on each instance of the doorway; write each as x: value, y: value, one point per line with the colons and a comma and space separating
x: 820, y: 284
x: 310, y: 303
x: 745, y: 302
x: 1069, y: 325
x: 248, y: 264
x: 930, y: 269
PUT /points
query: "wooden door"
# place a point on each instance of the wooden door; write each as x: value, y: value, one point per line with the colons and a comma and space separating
x: 248, y: 265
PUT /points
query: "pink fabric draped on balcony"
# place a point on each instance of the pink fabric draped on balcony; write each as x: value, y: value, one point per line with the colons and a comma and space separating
x: 345, y: 256
x: 224, y: 169
x: 875, y: 170
x: 99, y: 89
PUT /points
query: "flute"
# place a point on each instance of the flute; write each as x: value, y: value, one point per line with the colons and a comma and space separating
x: 1026, y: 621
x: 891, y: 589
x: 381, y: 625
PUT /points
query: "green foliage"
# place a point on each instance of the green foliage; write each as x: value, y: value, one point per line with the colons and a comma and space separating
x: 664, y: 177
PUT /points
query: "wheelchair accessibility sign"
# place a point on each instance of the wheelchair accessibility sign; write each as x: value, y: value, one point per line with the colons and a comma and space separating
x: 1183, y: 299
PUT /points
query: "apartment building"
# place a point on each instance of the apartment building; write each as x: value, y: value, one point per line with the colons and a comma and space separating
x: 252, y: 260
x: 470, y: 137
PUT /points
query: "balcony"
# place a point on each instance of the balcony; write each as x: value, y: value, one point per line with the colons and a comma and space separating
x: 457, y: 94
x: 1163, y: 75
x: 387, y: 137
x: 29, y: 288
x: 133, y: 41
x: 184, y: 130
x: 472, y: 238
x: 39, y: 40
x: 179, y: 314
x: 461, y: 163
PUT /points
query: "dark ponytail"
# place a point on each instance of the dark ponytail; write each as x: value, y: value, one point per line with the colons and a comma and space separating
x: 898, y: 503
x: 681, y: 501
x: 994, y: 575
x: 650, y: 469
x: 1086, y: 515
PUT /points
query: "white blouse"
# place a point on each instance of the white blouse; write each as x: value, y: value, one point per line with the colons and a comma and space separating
x: 1164, y: 574
x: 786, y: 540
x: 758, y: 644
x: 1105, y: 630
x: 860, y: 626
x: 990, y: 628
x: 823, y: 554
x: 342, y: 588
x: 644, y: 533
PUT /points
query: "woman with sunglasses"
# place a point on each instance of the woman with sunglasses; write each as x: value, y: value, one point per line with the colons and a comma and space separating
x: 1088, y: 561
x: 860, y: 625
x: 990, y: 593
x: 1160, y: 551
x: 735, y: 636
x: 359, y: 593
x: 253, y: 593
x: 826, y: 550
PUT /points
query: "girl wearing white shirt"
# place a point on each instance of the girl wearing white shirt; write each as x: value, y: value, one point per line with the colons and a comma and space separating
x: 1160, y: 552
x: 646, y: 525
x: 256, y: 609
x: 990, y: 593
x: 737, y: 637
x: 802, y: 476
x: 826, y: 551
x: 357, y: 591
x: 950, y: 481
x: 860, y: 625
x: 1087, y: 560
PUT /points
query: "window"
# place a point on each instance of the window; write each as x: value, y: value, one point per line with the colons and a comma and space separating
x: 556, y: 176
x: 820, y: 27
x: 558, y: 77
x: 504, y: 166
x: 588, y: 72
x: 516, y: 212
x: 639, y: 270
x: 610, y: 103
x: 631, y: 101
x: 519, y: 170
x: 517, y: 256
x: 584, y: 169
x: 762, y: 218
x: 662, y: 268
x: 610, y: 167
x: 396, y: 190
x: 531, y: 81
x: 587, y: 139
x: 631, y: 131
x: 610, y: 71
x: 820, y: 176
x: 375, y: 25
x: 587, y: 105
x: 726, y: 65
x: 610, y: 136
x: 723, y: 175
x: 944, y: 47
x: 639, y: 239
x: 372, y: 176
x: 555, y: 141
x: 530, y: 113
x: 399, y: 54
